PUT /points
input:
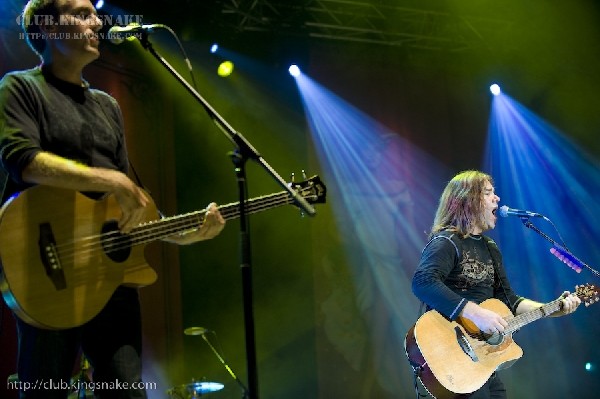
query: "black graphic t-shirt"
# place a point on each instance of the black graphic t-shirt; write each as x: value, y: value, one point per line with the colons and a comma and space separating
x: 453, y: 272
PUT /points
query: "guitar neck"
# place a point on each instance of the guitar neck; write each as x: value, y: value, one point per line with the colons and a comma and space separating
x: 169, y: 226
x: 523, y: 319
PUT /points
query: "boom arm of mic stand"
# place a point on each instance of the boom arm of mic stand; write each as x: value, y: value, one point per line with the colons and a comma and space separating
x: 245, y: 148
x: 530, y: 225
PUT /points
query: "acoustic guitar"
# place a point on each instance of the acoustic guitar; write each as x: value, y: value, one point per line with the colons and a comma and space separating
x: 455, y: 358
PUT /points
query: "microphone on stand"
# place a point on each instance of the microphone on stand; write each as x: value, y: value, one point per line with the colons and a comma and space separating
x: 505, y: 211
x: 118, y: 34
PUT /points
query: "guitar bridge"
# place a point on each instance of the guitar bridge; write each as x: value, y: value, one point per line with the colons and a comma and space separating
x: 49, y: 256
x: 464, y: 344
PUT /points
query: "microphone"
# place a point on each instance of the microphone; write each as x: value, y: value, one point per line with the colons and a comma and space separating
x: 505, y: 211
x: 196, y: 331
x: 118, y: 34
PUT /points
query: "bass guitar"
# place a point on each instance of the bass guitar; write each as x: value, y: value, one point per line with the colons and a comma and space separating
x: 63, y: 256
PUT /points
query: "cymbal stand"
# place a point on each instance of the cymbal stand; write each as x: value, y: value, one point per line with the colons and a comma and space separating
x: 245, y: 392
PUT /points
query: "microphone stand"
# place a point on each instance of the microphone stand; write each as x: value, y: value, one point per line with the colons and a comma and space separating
x: 229, y: 370
x: 579, y: 263
x: 242, y: 152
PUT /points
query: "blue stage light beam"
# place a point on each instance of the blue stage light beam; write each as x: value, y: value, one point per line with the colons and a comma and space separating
x: 385, y: 193
x: 538, y: 168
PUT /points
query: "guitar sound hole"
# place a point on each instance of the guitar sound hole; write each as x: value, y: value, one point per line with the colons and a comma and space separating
x: 495, y: 339
x: 116, y: 246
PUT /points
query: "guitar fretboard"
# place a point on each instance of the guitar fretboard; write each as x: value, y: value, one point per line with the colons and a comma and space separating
x: 521, y: 320
x: 169, y: 226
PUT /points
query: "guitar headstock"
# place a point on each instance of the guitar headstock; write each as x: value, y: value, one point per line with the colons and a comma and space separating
x: 313, y: 190
x: 588, y: 293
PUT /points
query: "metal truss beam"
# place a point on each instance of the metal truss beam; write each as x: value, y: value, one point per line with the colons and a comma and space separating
x: 381, y: 22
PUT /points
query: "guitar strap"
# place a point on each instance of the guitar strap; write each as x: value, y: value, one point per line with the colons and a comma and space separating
x: 139, y: 183
x: 495, y: 255
x: 4, y: 178
x: 137, y: 177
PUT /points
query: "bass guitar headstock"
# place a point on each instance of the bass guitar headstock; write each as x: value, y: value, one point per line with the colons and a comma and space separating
x: 312, y: 190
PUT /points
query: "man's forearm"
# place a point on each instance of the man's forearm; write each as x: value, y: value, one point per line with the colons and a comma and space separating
x: 52, y: 170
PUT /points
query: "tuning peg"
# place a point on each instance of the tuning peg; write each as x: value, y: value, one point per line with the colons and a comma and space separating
x: 292, y: 177
x: 591, y: 302
x: 304, y: 175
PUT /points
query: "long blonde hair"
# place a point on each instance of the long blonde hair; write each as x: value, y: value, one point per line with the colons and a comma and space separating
x: 461, y: 206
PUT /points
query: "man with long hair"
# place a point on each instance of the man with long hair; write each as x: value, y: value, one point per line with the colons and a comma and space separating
x: 57, y: 131
x: 460, y: 267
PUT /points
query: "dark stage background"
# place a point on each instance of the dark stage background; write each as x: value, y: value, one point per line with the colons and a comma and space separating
x: 327, y: 326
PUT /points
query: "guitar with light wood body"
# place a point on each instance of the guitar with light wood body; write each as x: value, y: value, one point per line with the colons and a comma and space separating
x: 454, y: 358
x: 63, y: 256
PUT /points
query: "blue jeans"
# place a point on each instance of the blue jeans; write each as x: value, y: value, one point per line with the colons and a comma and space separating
x: 111, y: 341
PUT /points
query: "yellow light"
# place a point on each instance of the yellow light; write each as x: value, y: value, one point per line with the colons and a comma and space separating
x: 225, y: 69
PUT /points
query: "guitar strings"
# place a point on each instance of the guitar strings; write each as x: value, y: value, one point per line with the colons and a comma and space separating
x: 172, y: 223
x: 79, y: 273
x: 482, y: 336
x: 149, y: 231
x: 516, y: 322
x: 528, y: 317
x: 167, y: 226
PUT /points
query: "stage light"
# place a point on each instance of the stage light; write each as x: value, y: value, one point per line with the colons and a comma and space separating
x: 214, y: 48
x: 384, y: 187
x: 495, y: 89
x: 99, y: 4
x: 589, y: 366
x: 225, y: 69
x: 294, y: 70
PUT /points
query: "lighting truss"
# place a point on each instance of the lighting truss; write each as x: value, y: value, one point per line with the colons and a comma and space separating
x: 377, y: 22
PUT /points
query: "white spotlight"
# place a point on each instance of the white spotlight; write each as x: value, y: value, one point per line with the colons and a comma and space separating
x: 495, y: 89
x: 214, y: 48
x: 294, y: 70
